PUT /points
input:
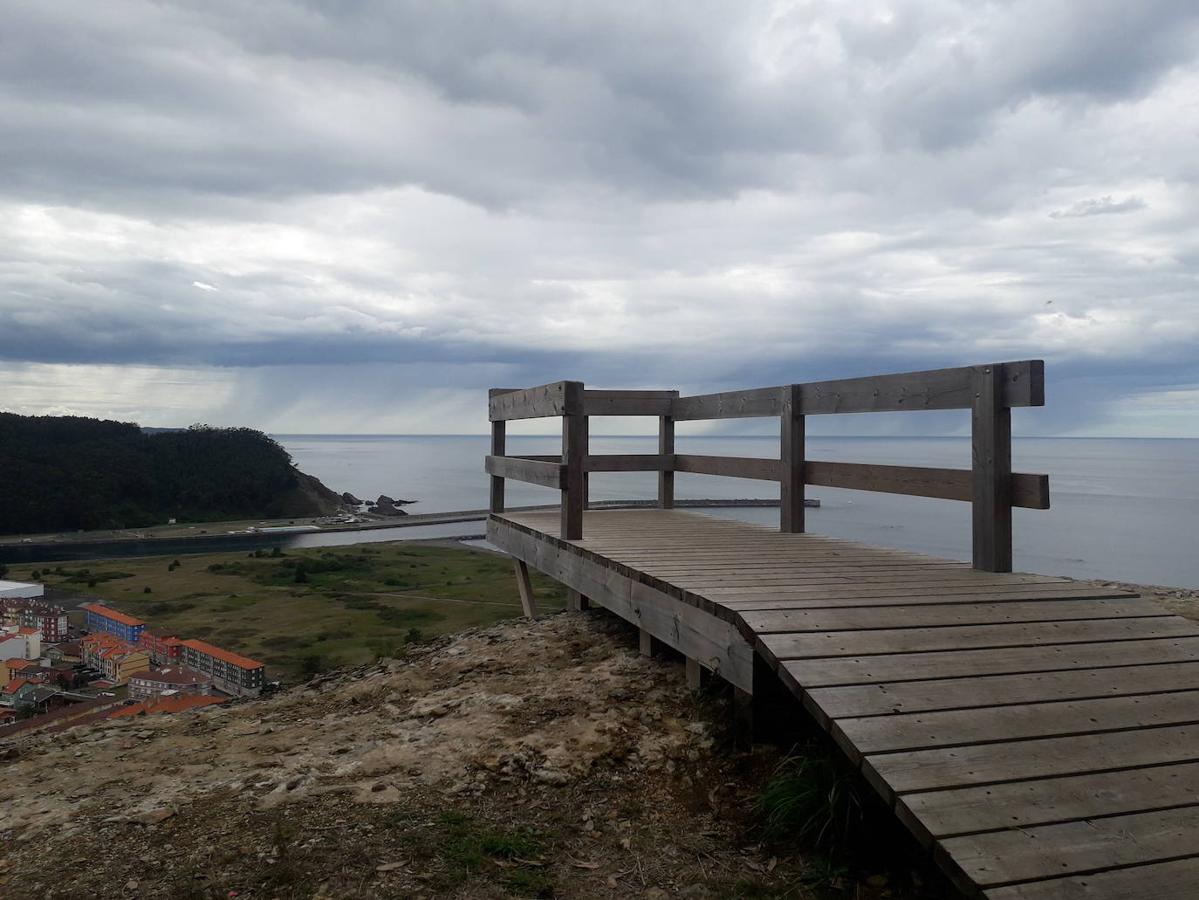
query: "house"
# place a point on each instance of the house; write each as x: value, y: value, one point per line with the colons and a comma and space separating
x: 38, y: 697
x: 19, y: 640
x: 51, y: 621
x: 8, y: 694
x: 164, y: 651
x: 66, y: 652
x: 101, y: 619
x: 175, y: 679
x: 23, y: 668
x: 230, y: 672
x: 116, y: 659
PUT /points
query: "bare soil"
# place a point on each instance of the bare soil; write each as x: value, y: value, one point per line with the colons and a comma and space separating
x: 518, y: 760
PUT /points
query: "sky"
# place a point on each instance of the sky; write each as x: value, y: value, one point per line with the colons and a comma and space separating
x: 356, y: 217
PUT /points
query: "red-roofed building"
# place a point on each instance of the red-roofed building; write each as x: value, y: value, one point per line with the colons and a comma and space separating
x: 116, y: 659
x: 99, y: 618
x: 230, y: 672
x: 22, y: 668
x: 164, y: 651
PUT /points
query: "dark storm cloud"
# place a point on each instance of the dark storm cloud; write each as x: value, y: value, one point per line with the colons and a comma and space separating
x: 690, y: 194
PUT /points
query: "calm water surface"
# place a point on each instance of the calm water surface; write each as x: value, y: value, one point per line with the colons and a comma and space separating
x: 1124, y: 509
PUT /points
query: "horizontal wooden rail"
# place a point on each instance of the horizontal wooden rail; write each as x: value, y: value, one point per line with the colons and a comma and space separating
x: 729, y: 466
x: 1028, y: 491
x: 630, y: 462
x: 1023, y: 384
x: 546, y: 474
x: 628, y: 403
x: 530, y: 403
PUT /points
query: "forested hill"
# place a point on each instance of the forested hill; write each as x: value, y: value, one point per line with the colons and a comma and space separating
x: 66, y: 473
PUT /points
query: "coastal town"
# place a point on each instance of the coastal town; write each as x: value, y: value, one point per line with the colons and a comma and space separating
x: 59, y: 674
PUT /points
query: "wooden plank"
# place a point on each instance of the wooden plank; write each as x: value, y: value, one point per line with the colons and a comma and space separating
x: 729, y: 405
x: 728, y: 466
x: 1021, y: 383
x: 998, y: 690
x: 530, y: 403
x: 1173, y: 880
x: 935, y: 769
x: 547, y: 474
x: 991, y: 455
x: 498, y: 432
x: 1094, y: 845
x: 954, y: 638
x: 875, y: 588
x: 574, y: 452
x: 694, y: 674
x: 1027, y: 491
x: 838, y: 619
x: 528, y: 603
x: 1013, y: 593
x: 792, y: 467
x: 897, y: 667
x: 1021, y: 804
x: 913, y: 731
x: 627, y: 403
x: 629, y: 462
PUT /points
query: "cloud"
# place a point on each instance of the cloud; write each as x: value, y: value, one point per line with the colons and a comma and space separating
x: 1100, y: 206
x: 697, y: 195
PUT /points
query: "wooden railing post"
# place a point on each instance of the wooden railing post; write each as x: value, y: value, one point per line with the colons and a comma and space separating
x: 499, y: 431
x: 991, y: 454
x: 666, y: 448
x: 574, y: 453
x: 791, y: 472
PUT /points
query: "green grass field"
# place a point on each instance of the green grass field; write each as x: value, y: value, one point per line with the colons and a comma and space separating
x: 311, y: 610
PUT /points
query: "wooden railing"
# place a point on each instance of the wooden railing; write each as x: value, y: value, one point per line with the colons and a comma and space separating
x: 988, y: 391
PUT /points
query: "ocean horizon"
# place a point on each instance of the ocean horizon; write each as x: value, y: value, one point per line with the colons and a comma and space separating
x: 1122, y: 509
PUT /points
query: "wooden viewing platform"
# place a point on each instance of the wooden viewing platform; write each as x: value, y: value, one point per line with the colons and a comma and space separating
x: 1039, y: 736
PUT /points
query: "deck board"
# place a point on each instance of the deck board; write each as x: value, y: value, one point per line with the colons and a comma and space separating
x: 1041, y: 736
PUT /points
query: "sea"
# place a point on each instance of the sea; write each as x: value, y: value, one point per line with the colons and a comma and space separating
x: 1122, y: 509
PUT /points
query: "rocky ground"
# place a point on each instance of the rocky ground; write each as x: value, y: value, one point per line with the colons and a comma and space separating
x: 545, y: 760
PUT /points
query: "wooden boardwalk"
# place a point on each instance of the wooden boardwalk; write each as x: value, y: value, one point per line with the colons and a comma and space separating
x: 1039, y: 736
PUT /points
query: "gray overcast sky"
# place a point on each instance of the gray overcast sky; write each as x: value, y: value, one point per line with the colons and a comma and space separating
x: 356, y: 216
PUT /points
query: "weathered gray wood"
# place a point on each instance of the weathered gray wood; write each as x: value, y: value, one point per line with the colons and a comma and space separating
x: 925, y: 770
x: 824, y: 672
x: 1085, y: 846
x: 666, y: 449
x: 528, y: 603
x: 694, y: 633
x: 628, y: 403
x: 914, y: 731
x: 729, y: 466
x: 645, y: 642
x: 629, y: 462
x: 1173, y: 880
x: 991, y: 451
x: 837, y: 619
x: 1001, y: 690
x: 574, y: 453
x: 576, y: 602
x: 791, y: 463
x: 547, y: 474
x: 532, y: 403
x: 1021, y: 383
x: 498, y: 432
x: 695, y: 678
x: 729, y: 405
x: 959, y: 639
x: 1021, y: 804
x: 1027, y: 491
